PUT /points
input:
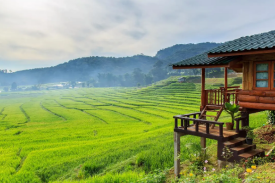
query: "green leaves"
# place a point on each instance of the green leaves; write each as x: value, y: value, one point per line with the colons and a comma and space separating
x: 231, y: 108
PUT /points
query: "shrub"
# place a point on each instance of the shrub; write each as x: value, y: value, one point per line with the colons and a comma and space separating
x: 265, y: 133
x: 237, y: 81
x: 154, y: 177
x: 271, y: 117
x: 193, y: 79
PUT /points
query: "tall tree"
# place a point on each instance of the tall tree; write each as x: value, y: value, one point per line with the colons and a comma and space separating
x: 138, y: 76
x: 13, y: 86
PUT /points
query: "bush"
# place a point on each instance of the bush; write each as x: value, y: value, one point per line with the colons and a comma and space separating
x: 265, y: 133
x: 193, y: 79
x: 271, y: 117
x: 155, y: 177
x: 237, y: 81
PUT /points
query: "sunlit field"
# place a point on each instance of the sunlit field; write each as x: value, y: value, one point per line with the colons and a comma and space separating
x: 94, y: 134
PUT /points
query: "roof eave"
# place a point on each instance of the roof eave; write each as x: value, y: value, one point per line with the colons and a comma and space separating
x: 199, y: 66
x: 245, y: 52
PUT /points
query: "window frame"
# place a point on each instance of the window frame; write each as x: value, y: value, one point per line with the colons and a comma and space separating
x: 270, y: 79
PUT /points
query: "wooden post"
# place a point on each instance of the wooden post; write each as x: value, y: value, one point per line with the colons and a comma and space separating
x: 225, y: 84
x: 176, y: 154
x: 203, y: 141
x: 202, y: 89
x: 203, y: 144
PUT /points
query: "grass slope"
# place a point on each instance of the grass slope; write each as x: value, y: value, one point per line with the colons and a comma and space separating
x: 94, y: 134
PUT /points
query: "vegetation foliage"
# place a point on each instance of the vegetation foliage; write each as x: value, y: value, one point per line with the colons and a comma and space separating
x: 95, y: 134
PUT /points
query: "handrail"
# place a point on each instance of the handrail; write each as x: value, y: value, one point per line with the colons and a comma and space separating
x: 220, y: 96
x: 185, y: 122
x: 243, y: 119
x: 195, y: 113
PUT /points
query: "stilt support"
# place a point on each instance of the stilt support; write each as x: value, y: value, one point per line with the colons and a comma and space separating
x: 177, y: 154
x: 203, y: 142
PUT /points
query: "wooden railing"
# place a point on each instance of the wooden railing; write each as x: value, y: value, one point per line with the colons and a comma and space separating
x: 214, y: 97
x: 220, y: 96
x: 244, y: 121
x: 185, y: 123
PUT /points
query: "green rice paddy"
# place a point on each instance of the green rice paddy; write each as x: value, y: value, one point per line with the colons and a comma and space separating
x: 94, y: 134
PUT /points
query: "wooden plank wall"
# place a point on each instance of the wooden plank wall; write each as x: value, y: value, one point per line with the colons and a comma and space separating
x: 247, y: 61
x: 255, y: 99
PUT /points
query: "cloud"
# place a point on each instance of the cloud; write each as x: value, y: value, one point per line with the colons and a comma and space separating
x: 48, y: 32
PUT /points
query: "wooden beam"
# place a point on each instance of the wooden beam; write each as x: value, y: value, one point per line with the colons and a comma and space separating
x: 262, y: 106
x: 202, y: 88
x: 203, y: 142
x: 225, y: 83
x: 236, y: 65
x: 249, y: 52
x: 198, y: 66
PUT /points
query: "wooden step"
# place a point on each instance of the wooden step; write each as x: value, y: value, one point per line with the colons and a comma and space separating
x: 252, y: 153
x: 242, y: 149
x: 235, y: 142
x: 208, y: 116
x: 213, y: 107
x: 212, y: 110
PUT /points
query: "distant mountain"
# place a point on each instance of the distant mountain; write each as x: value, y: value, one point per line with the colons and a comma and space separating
x: 180, y: 52
x: 82, y: 69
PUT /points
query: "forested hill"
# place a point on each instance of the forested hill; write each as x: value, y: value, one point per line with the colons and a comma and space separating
x: 180, y: 52
x: 87, y: 68
x: 81, y: 69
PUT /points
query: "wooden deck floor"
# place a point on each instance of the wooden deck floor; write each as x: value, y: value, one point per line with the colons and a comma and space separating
x: 214, y: 132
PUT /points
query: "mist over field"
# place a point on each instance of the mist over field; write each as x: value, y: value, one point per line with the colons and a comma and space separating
x: 110, y: 71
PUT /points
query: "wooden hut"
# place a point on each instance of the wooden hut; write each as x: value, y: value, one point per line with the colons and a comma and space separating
x: 254, y: 56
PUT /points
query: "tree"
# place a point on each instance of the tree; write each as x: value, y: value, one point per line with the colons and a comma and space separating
x: 148, y: 79
x: 36, y: 87
x: 6, y: 89
x: 73, y: 84
x: 196, y: 71
x: 13, y: 86
x: 138, y: 76
x: 158, y: 72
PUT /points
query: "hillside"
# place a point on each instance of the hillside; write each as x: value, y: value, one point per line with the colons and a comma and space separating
x: 180, y: 52
x: 95, y: 134
x: 83, y: 69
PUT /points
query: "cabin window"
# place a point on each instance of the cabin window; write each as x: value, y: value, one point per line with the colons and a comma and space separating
x: 264, y: 73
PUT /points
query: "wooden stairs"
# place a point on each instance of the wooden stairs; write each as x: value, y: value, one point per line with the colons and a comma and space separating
x: 235, y: 143
x: 213, y: 109
x: 240, y: 149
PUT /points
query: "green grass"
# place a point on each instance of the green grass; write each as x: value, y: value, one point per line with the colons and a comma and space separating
x: 94, y: 134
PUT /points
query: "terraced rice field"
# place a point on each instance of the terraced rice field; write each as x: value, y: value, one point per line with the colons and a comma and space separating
x: 94, y: 134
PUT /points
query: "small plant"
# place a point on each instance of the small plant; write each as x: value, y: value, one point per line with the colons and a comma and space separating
x: 230, y: 175
x: 232, y: 110
x: 271, y: 117
x: 249, y: 133
x: 226, y: 154
x: 155, y: 176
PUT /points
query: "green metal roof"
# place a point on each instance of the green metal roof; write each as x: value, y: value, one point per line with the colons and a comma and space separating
x: 254, y: 42
x: 203, y: 59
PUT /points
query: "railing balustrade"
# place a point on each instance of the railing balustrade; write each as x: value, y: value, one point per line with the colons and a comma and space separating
x: 185, y: 123
x: 220, y: 96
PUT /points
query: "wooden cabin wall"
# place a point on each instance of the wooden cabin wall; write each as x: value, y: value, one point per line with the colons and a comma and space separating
x: 255, y: 99
x: 248, y: 69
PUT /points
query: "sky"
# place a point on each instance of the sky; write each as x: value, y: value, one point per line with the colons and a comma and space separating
x: 44, y: 33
